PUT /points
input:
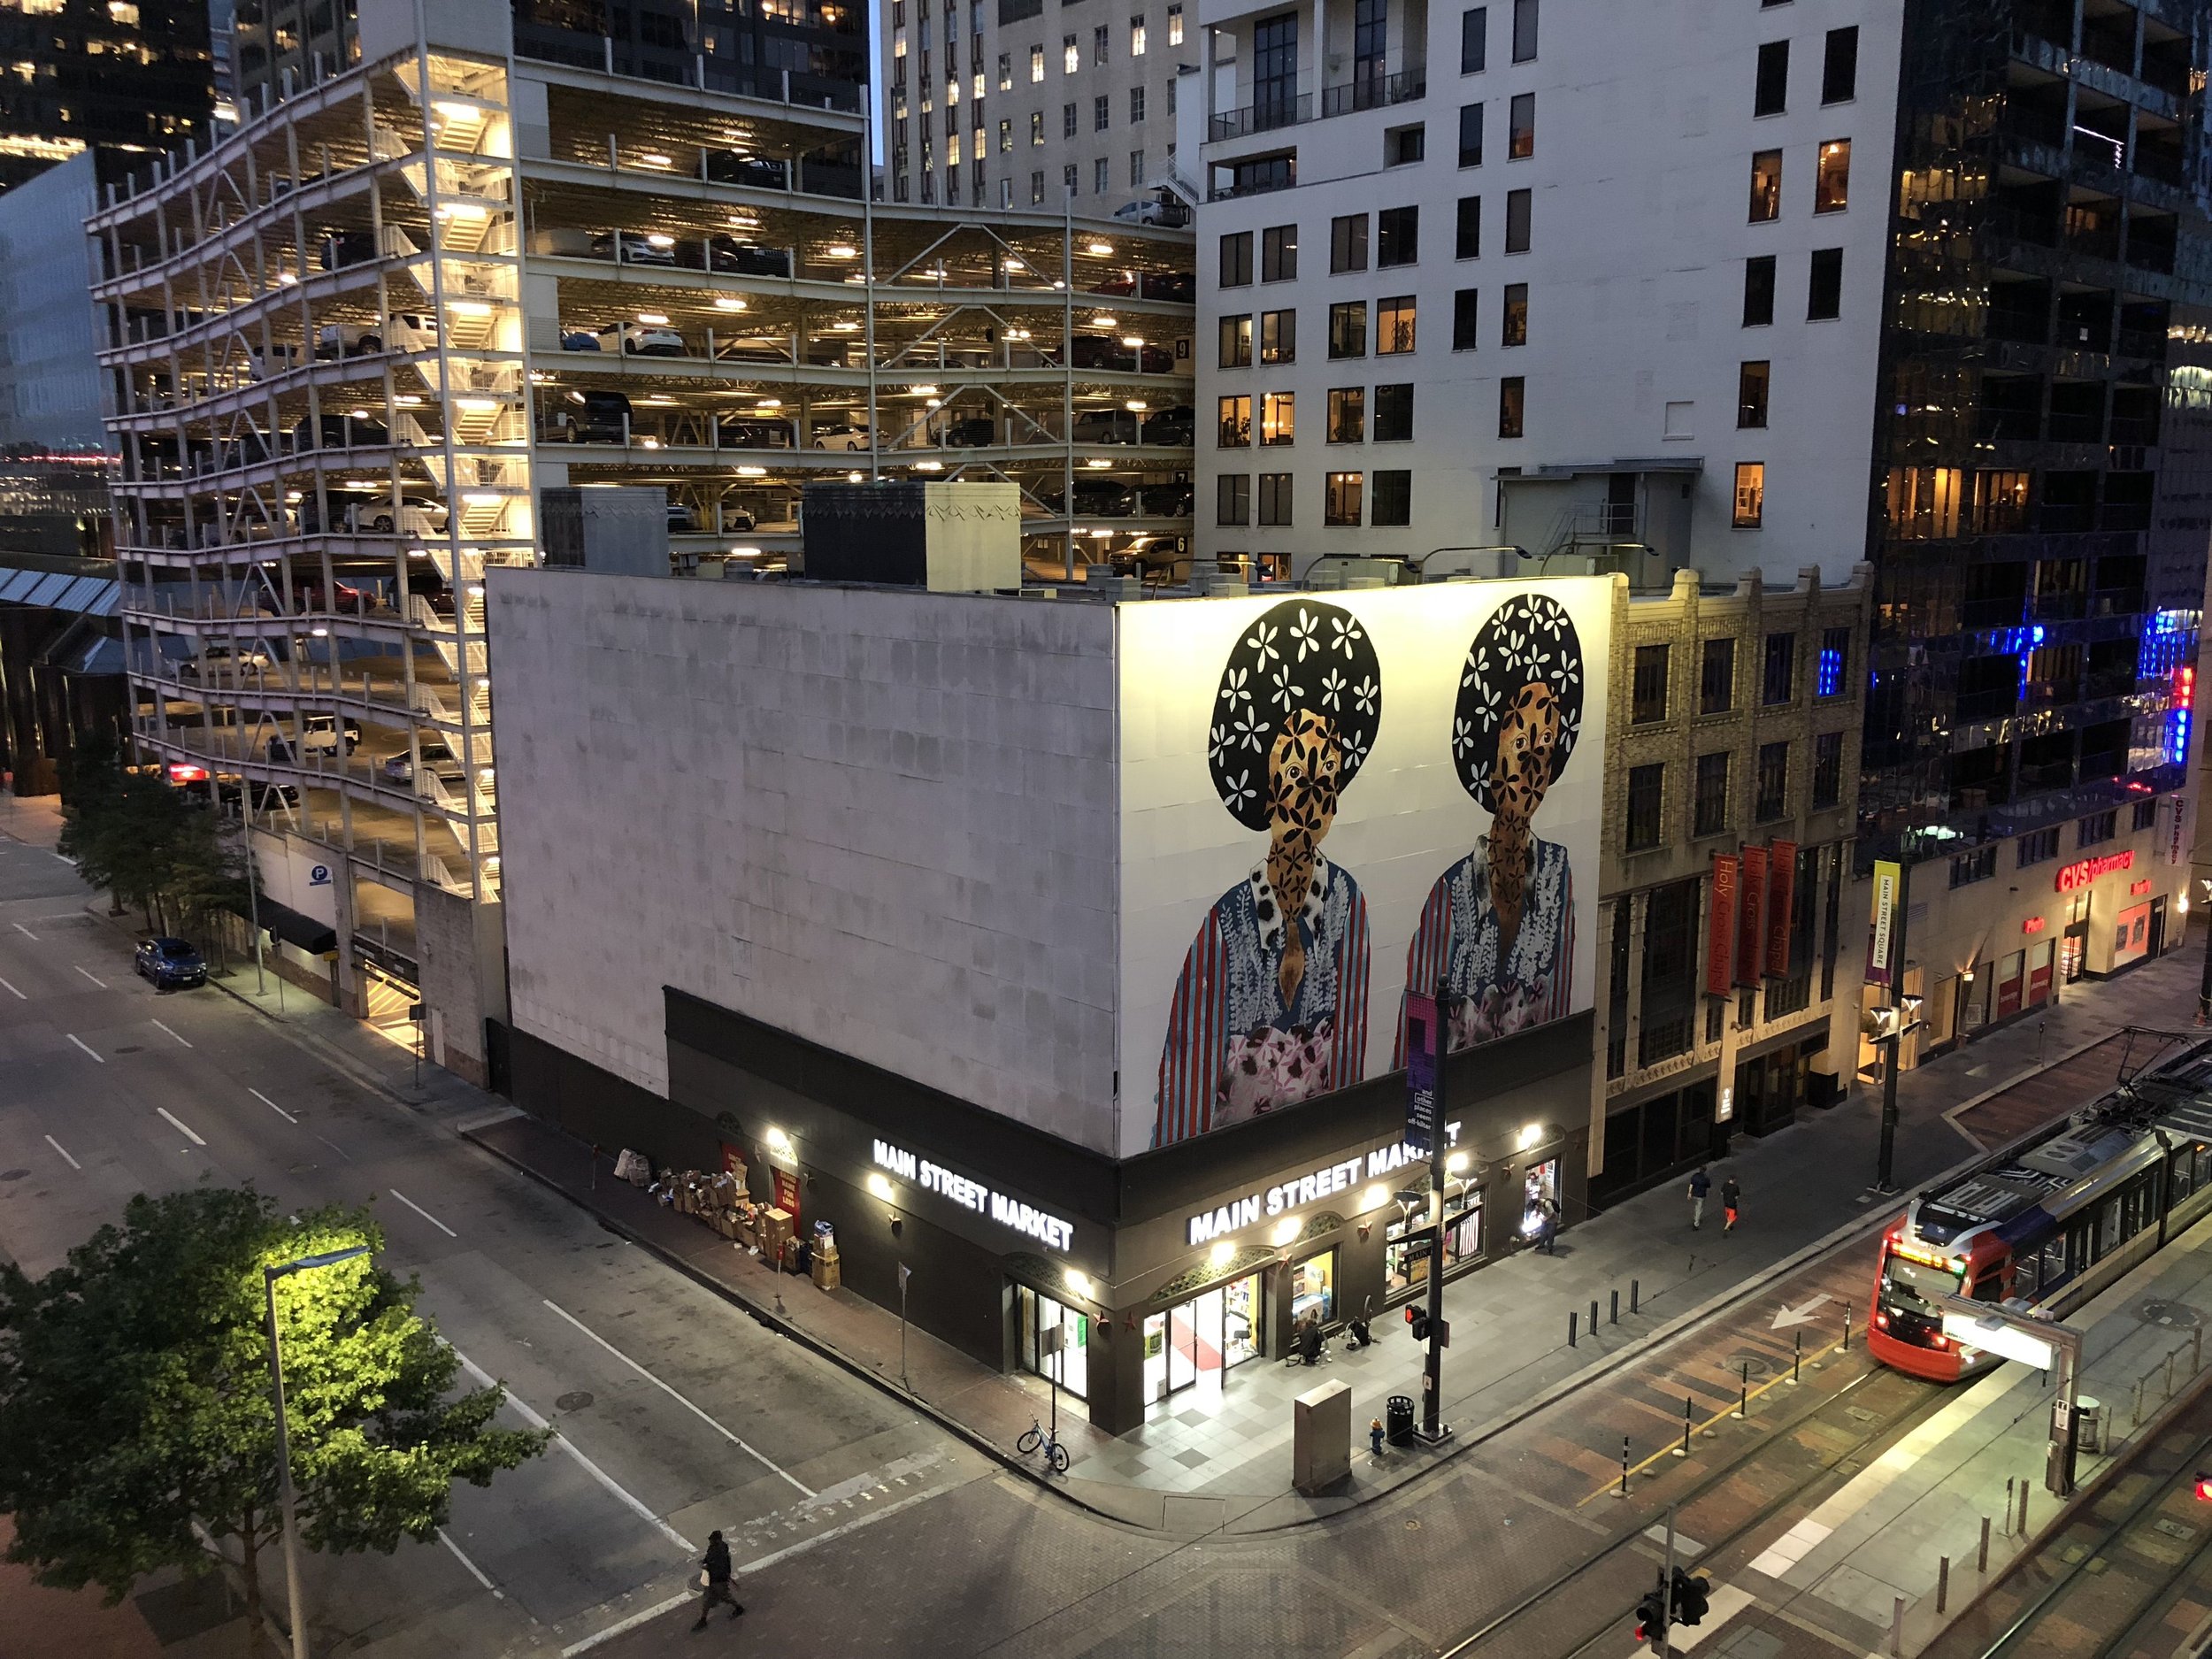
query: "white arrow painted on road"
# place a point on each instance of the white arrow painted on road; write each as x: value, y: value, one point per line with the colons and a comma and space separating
x: 1790, y: 1316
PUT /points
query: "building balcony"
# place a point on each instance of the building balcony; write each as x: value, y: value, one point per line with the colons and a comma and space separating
x: 1366, y: 92
x: 1268, y: 116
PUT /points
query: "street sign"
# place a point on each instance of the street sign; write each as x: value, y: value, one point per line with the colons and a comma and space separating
x: 1423, y: 1041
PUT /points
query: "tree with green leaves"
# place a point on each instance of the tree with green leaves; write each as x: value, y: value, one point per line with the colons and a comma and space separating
x: 92, y: 797
x: 137, y: 1421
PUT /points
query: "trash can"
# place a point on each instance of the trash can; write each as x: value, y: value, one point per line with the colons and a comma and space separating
x: 1398, y: 1420
x: 2089, y: 1426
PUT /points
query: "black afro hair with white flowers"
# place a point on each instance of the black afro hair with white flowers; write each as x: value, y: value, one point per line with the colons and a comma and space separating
x: 1530, y: 640
x: 1300, y: 654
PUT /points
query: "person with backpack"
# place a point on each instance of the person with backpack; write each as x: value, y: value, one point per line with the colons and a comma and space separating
x: 1700, y: 1184
x: 717, y: 1576
x: 1731, y: 1201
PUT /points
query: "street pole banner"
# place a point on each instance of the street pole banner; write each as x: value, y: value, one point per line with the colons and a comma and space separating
x: 1887, y: 874
x: 1781, y: 906
x: 1751, y: 915
x: 1720, y: 927
x: 1421, y: 1046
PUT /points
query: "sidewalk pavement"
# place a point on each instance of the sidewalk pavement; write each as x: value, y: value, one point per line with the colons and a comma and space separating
x: 1874, y: 1546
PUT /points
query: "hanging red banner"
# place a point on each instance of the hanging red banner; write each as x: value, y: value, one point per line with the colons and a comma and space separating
x: 1781, y: 906
x: 1720, y: 925
x: 1751, y: 916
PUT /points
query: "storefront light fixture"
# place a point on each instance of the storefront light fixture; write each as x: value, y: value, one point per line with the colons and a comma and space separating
x: 1222, y: 1253
x: 1374, y: 1198
x: 778, y: 1141
x: 1531, y: 1134
x: 1286, y: 1231
x: 1456, y: 1164
x: 879, y: 1187
x: 1079, y: 1285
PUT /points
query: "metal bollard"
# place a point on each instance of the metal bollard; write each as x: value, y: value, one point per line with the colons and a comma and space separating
x: 1981, y: 1561
x: 1943, y: 1583
x: 1594, y: 1316
x: 1570, y: 1330
x: 2010, y: 1484
x: 1897, y: 1627
x: 2136, y: 1416
x: 1635, y: 1293
x: 2196, y: 1350
x: 1624, y: 1488
x: 2169, y: 1373
x: 1743, y: 1394
x: 2023, y: 1509
x: 1797, y: 1359
x: 1683, y: 1450
x: 1846, y: 1330
x: 1617, y: 1307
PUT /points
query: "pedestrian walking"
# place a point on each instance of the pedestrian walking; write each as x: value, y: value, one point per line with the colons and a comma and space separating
x: 1375, y: 1437
x: 1730, y: 1201
x: 716, y: 1577
x: 1700, y: 1184
x: 1547, y: 1228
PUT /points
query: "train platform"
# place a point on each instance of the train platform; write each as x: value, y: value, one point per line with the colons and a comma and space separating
x: 1864, y: 1571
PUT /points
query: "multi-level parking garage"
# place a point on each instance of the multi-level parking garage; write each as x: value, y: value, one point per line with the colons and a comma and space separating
x: 349, y: 344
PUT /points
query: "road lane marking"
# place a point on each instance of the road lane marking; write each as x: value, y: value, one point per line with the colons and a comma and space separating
x: 95, y: 979
x: 412, y: 1205
x: 271, y: 1105
x: 12, y: 991
x: 26, y: 931
x: 187, y: 1041
x: 51, y: 853
x: 446, y: 1538
x: 839, y: 1531
x: 181, y: 1127
x: 765, y: 1461
x: 485, y: 1380
x: 64, y: 1153
x: 643, y: 1615
x: 340, y: 1150
x: 81, y: 1043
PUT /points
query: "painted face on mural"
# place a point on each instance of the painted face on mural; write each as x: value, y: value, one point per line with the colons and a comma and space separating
x: 1527, y: 738
x: 1303, y: 770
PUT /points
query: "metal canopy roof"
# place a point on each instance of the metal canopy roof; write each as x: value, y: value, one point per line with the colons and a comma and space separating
x: 59, y: 590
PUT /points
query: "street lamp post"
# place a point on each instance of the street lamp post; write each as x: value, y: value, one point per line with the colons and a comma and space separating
x: 2204, y: 986
x: 287, y: 1497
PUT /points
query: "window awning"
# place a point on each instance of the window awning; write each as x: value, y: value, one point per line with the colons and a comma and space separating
x: 281, y: 921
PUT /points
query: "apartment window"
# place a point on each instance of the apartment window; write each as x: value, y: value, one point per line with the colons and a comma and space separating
x: 1236, y: 259
x: 1099, y: 54
x: 1278, y: 253
x: 1840, y: 67
x: 1467, y: 230
x: 1171, y: 98
x: 1136, y: 37
x: 1827, y: 770
x: 2039, y: 848
x: 1036, y: 65
x: 1279, y: 336
x: 1779, y: 683
x: 1236, y: 341
x: 1517, y: 212
x: 1513, y: 330
x: 1037, y: 188
x: 1068, y: 179
x: 1716, y: 676
x: 1831, y: 678
x: 1279, y: 417
x: 1402, y: 146
x: 1474, y: 40
x: 1512, y: 405
x: 1348, y: 414
x: 1751, y: 494
x: 1524, y: 30
x: 1036, y: 128
x: 1397, y: 236
x: 1341, y: 500
x: 2144, y: 816
x: 1520, y: 126
x: 1466, y: 319
x: 1770, y: 91
x: 1758, y: 291
x: 1348, y: 243
x: 1232, y: 498
x: 1766, y: 185
x: 1175, y: 26
x: 1824, y: 291
x: 1071, y: 55
x: 1394, y: 414
x: 1648, y: 693
x: 1393, y: 324
x: 1348, y: 329
x: 1471, y: 134
x: 1101, y: 113
x: 1709, y: 809
x: 1136, y: 168
x: 1136, y: 105
x: 1647, y: 794
x: 1005, y: 136
x: 1832, y: 178
x: 1774, y: 781
x: 1392, y: 502
x: 1101, y: 177
x: 1275, y: 493
x: 1067, y: 120
x: 2096, y: 829
x: 1978, y: 865
x: 1751, y: 395
x: 1236, y: 430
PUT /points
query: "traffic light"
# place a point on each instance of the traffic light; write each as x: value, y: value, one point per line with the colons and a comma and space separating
x: 2204, y: 1486
x: 1691, y: 1597
x: 1651, y: 1616
x: 1418, y: 1318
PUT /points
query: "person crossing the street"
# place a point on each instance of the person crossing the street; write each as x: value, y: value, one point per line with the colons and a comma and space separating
x: 718, y: 1585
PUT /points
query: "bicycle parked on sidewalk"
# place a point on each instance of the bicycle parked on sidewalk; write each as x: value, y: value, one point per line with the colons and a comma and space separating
x: 1056, y: 1454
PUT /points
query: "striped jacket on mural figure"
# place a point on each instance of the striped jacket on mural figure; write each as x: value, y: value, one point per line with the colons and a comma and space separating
x: 1498, y: 927
x: 1271, y: 1007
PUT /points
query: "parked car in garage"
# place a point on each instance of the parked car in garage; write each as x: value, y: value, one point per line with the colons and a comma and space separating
x: 747, y: 258
x: 1175, y: 425
x: 841, y: 436
x: 1105, y: 425
x: 633, y: 247
x: 642, y: 340
x: 437, y: 759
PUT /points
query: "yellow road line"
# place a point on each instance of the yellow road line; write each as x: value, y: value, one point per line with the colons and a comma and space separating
x: 1613, y: 1483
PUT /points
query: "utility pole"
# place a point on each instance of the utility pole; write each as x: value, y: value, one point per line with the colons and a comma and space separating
x: 1885, y: 1170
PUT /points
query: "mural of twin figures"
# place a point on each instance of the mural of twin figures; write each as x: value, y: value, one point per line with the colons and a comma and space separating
x: 1271, y: 1006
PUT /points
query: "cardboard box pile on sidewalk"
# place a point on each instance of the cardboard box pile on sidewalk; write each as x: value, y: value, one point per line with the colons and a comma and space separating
x: 722, y: 1202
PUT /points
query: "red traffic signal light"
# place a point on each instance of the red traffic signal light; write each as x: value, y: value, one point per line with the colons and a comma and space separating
x: 2204, y: 1486
x: 1418, y: 1319
x: 1651, y: 1616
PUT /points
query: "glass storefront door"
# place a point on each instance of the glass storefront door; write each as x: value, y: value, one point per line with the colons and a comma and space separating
x: 1055, y: 1340
x: 1199, y: 1340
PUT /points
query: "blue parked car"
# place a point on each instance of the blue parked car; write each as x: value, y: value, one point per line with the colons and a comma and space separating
x: 170, y: 961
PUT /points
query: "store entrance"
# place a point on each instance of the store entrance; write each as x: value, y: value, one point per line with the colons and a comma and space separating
x: 1200, y: 1341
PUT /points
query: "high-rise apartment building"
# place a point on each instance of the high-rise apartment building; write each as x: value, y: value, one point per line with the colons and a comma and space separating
x: 1021, y: 104
x: 113, y: 77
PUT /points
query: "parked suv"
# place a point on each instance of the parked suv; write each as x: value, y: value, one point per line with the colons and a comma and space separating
x: 170, y: 961
x: 594, y: 418
x: 1105, y: 425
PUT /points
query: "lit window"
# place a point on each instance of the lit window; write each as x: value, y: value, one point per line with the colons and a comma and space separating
x: 1136, y: 37
x: 1175, y: 26
x: 1036, y: 63
x: 1393, y: 324
x: 1071, y: 55
x: 1512, y: 405
x: 1831, y: 183
x: 1235, y: 429
x: 1341, y: 505
x: 1279, y: 422
x: 1766, y: 185
x: 1751, y: 494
